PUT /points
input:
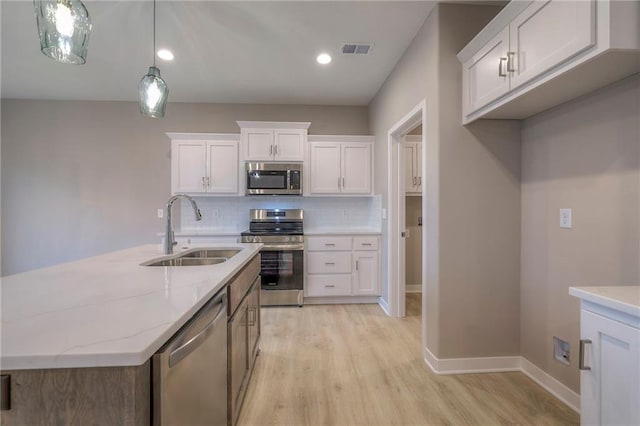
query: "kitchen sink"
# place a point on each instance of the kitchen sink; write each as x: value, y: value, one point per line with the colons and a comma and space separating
x: 209, y: 253
x: 195, y: 257
x: 187, y: 261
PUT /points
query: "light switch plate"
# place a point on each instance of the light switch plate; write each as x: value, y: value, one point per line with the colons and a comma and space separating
x: 565, y: 218
x: 160, y: 213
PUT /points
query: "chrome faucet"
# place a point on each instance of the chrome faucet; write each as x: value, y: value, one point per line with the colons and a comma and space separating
x: 169, y: 241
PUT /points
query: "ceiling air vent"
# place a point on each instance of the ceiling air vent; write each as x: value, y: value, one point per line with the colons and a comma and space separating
x: 356, y: 48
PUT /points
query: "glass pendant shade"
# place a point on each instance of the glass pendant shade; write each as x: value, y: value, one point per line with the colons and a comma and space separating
x: 63, y: 27
x: 153, y: 94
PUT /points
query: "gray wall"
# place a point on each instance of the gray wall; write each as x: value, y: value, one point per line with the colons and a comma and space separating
x: 583, y: 155
x: 473, y: 192
x: 84, y: 178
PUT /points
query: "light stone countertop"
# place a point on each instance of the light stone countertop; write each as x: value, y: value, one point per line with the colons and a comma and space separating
x: 621, y: 298
x: 105, y: 310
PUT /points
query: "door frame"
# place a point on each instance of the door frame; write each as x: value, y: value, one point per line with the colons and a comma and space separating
x: 396, y: 272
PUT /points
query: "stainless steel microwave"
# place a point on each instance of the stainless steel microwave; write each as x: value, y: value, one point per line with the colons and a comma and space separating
x: 274, y: 179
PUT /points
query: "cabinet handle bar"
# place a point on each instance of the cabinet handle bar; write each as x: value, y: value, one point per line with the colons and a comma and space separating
x: 500, y: 68
x: 581, y: 365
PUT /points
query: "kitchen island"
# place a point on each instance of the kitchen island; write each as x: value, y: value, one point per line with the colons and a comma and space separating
x: 82, y: 329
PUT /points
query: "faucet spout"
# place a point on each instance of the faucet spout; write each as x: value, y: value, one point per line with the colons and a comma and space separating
x: 169, y: 241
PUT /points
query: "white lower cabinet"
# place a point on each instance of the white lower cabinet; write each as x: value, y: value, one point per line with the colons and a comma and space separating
x: 610, y: 376
x: 342, y: 266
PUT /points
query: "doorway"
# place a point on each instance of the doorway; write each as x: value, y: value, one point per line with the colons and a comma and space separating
x: 397, y: 203
x: 413, y: 178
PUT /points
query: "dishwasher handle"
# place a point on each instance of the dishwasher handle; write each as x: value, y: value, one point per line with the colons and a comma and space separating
x: 181, y: 352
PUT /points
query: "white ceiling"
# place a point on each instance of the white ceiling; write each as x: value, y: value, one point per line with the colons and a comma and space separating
x: 236, y: 51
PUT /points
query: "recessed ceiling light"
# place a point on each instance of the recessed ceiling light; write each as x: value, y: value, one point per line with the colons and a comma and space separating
x: 323, y: 58
x: 165, y: 54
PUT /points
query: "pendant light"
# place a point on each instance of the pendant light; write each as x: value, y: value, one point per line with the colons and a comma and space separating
x: 153, y: 90
x: 63, y: 27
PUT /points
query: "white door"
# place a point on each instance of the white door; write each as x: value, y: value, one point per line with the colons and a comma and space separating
x: 189, y: 166
x: 289, y: 145
x: 325, y: 168
x: 409, y: 167
x: 610, y: 391
x: 365, y: 273
x: 356, y: 168
x: 223, y: 167
x: 258, y: 144
x: 486, y: 73
x: 548, y: 33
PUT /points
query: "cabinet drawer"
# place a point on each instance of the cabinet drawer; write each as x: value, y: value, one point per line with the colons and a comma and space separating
x: 365, y: 243
x: 329, y: 285
x: 328, y: 263
x: 329, y: 243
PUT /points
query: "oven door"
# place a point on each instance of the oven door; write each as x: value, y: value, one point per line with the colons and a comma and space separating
x: 281, y: 269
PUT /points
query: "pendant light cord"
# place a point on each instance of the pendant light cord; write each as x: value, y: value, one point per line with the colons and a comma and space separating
x: 154, y: 33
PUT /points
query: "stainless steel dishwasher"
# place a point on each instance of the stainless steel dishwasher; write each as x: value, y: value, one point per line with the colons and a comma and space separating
x: 190, y: 370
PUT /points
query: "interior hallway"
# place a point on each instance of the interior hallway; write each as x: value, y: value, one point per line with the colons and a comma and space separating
x: 354, y: 365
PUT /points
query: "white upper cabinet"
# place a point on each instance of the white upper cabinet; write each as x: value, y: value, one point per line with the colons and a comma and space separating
x: 356, y: 168
x: 340, y: 165
x: 537, y: 54
x: 204, y: 163
x: 325, y: 167
x: 487, y: 72
x: 273, y: 141
x: 413, y: 165
x: 546, y: 34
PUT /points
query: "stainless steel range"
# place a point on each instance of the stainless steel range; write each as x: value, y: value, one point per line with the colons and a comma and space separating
x: 282, y: 257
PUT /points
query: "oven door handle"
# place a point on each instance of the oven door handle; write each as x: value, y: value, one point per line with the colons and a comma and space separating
x: 283, y: 247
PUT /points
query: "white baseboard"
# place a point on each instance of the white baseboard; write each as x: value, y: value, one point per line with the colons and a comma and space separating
x: 502, y: 364
x: 557, y: 389
x: 472, y: 365
x: 384, y: 305
x: 340, y: 300
x: 413, y: 288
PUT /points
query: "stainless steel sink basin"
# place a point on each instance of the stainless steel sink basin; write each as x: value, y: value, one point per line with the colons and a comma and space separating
x: 208, y: 253
x: 187, y: 261
x: 195, y: 257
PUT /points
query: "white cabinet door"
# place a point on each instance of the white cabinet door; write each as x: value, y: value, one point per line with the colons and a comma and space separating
x: 418, y: 166
x: 356, y: 168
x: 258, y: 144
x: 610, y: 390
x: 548, y: 33
x: 413, y: 168
x: 188, y: 166
x: 325, y: 168
x: 289, y: 145
x: 409, y: 167
x: 222, y: 164
x: 365, y: 273
x: 485, y: 74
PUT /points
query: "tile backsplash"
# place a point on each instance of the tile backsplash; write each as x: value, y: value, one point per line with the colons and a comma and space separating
x: 231, y: 214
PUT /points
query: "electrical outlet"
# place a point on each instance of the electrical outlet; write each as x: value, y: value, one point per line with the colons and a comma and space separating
x: 561, y: 350
x: 565, y: 218
x: 160, y: 213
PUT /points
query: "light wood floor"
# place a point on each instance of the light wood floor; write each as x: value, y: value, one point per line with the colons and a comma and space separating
x: 353, y: 365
